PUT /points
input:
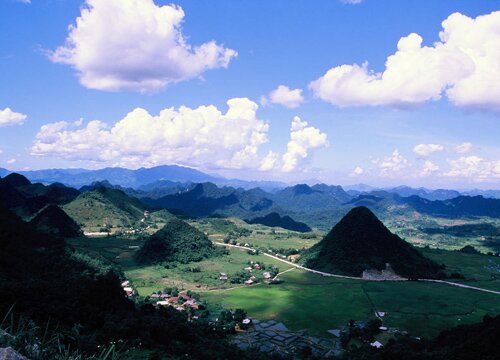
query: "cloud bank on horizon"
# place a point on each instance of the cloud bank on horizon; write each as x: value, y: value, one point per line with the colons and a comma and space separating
x: 202, y: 137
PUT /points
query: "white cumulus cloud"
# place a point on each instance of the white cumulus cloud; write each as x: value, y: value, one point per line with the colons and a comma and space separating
x: 475, y: 168
x: 135, y: 45
x: 9, y: 117
x: 463, y: 148
x: 201, y: 137
x: 391, y: 165
x: 427, y: 149
x: 303, y: 140
x: 428, y: 168
x: 285, y: 96
x: 269, y: 161
x: 463, y: 66
x: 358, y: 170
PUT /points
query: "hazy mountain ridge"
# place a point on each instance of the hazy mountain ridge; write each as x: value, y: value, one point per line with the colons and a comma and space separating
x: 137, y: 178
x: 159, y: 176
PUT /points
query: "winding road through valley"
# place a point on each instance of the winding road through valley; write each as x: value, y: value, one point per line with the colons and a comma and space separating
x: 354, y: 277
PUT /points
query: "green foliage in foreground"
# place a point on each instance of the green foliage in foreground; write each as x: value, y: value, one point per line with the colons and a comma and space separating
x: 79, y: 301
x: 177, y: 241
x: 38, y: 343
x: 475, y: 341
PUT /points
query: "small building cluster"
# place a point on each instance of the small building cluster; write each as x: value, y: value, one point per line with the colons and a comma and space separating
x: 223, y: 276
x: 181, y: 302
x: 251, y: 280
x: 128, y: 289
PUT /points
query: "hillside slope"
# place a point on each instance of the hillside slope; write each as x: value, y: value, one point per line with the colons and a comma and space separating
x: 176, y: 241
x: 54, y: 221
x: 105, y: 207
x: 25, y: 199
x: 360, y: 242
x: 50, y: 292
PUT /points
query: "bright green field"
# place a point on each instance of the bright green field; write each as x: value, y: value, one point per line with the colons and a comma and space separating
x: 303, y: 301
x: 479, y: 270
x: 308, y: 301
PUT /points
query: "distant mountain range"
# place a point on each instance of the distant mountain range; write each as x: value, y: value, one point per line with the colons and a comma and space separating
x: 429, y: 194
x: 137, y: 178
x: 119, y: 176
x: 319, y: 206
x: 174, y: 176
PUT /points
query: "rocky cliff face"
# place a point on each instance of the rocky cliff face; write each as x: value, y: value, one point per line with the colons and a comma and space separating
x: 384, y: 274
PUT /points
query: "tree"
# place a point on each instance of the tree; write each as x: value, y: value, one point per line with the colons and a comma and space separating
x: 374, y: 325
x: 239, y: 315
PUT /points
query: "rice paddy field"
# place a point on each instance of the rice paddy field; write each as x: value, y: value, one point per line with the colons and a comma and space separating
x: 317, y: 304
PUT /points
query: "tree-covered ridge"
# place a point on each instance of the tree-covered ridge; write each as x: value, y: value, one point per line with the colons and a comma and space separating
x: 53, y: 220
x: 285, y: 222
x: 34, y: 263
x: 176, y: 241
x: 26, y: 199
x: 105, y: 207
x: 360, y: 241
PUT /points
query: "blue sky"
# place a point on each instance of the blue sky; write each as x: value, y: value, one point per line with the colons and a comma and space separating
x: 431, y: 119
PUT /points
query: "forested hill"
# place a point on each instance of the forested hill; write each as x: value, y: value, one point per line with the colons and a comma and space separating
x: 105, y: 207
x: 359, y: 242
x: 68, y: 290
x: 18, y: 194
x: 54, y: 221
x: 177, y: 241
x: 285, y: 222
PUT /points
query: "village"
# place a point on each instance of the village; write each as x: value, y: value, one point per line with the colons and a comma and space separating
x: 252, y: 274
x: 255, y: 333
